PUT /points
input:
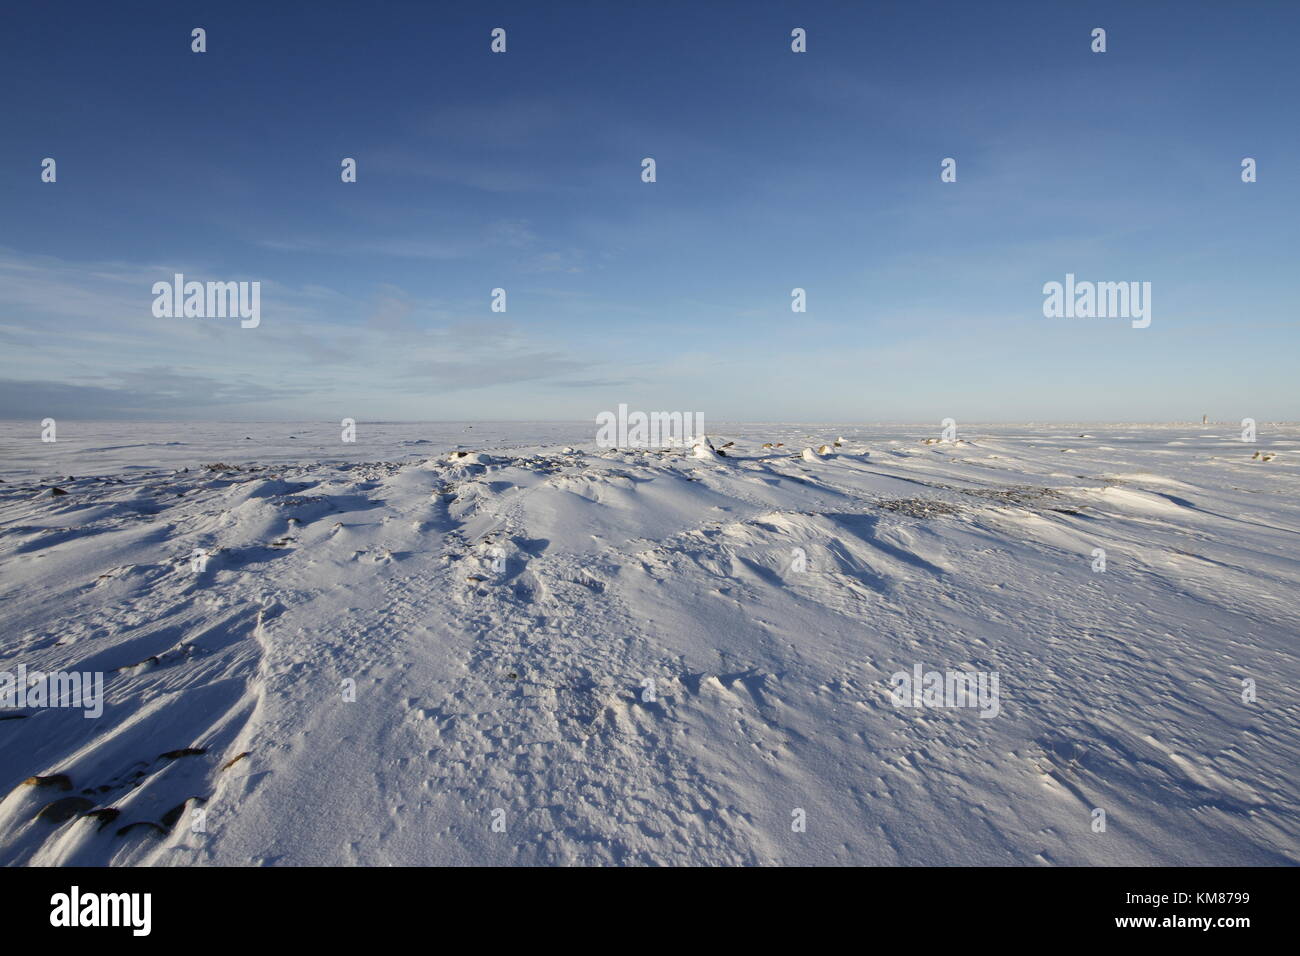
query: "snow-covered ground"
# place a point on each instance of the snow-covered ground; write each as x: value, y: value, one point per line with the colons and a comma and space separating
x: 569, y: 655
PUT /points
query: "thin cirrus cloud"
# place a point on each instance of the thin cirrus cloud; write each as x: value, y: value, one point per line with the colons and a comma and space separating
x: 513, y: 244
x: 83, y: 360
x: 153, y: 393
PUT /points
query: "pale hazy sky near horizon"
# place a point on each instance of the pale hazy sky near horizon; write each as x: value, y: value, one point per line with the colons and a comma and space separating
x: 775, y: 170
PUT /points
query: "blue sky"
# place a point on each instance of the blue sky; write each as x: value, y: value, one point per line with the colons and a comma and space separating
x: 775, y: 170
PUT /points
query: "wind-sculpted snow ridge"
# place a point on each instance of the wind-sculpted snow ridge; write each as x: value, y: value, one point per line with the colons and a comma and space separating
x: 558, y: 654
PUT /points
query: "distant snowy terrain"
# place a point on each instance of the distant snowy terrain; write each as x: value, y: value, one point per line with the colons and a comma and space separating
x: 564, y: 654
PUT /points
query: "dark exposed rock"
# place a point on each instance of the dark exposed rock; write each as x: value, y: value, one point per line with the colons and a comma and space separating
x: 64, y: 809
x: 59, y: 780
x: 183, y: 752
x: 174, y: 814
x: 234, y: 760
x: 105, y: 816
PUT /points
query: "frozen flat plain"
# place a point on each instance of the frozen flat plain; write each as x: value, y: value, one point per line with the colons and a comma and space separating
x: 645, y: 657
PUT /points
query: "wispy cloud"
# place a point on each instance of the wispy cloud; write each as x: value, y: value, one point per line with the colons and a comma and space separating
x: 85, y: 343
x: 157, y: 393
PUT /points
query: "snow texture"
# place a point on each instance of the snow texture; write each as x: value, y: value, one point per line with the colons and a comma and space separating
x: 649, y: 657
